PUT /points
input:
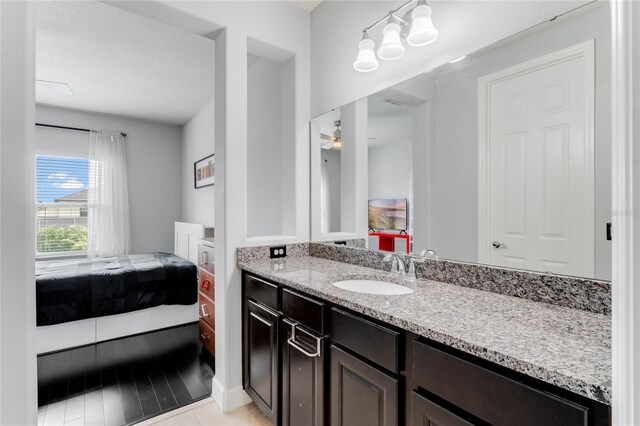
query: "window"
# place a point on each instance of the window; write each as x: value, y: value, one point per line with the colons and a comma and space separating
x: 61, y: 205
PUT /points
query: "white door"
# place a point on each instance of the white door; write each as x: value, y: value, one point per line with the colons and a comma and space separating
x: 536, y: 191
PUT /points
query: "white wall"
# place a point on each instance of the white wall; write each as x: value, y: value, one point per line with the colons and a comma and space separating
x: 465, y: 26
x: 264, y: 148
x: 391, y: 170
x: 333, y: 159
x: 197, y: 142
x: 18, y: 376
x: 153, y: 169
x: 231, y: 23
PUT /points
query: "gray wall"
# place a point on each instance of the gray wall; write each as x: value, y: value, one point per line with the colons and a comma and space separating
x: 197, y: 143
x: 153, y: 169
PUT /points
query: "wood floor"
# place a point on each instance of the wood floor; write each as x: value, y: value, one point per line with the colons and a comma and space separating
x: 123, y: 381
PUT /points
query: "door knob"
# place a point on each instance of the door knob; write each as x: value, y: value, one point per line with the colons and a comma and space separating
x: 498, y: 244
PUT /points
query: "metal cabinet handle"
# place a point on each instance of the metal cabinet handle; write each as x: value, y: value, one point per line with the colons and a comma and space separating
x: 204, y: 336
x: 498, y: 244
x: 203, y: 309
x: 292, y: 342
x: 206, y: 285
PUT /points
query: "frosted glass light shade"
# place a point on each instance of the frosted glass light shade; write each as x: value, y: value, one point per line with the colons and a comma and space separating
x: 391, y: 47
x: 366, y: 60
x: 422, y: 31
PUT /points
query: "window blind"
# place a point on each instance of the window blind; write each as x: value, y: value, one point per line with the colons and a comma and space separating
x: 61, y: 204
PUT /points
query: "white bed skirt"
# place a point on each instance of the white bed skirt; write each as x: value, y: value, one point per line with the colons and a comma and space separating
x: 78, y: 333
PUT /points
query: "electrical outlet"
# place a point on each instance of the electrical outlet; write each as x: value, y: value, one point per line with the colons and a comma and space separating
x: 276, y: 252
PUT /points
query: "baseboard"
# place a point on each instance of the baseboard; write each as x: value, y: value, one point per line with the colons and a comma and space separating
x: 229, y: 399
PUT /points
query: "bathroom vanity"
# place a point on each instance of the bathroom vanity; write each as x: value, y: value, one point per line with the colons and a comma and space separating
x: 444, y: 354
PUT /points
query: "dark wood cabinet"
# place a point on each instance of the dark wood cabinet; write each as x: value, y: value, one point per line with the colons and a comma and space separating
x: 309, y: 362
x: 360, y: 393
x: 261, y: 358
x: 303, y: 376
x: 428, y: 413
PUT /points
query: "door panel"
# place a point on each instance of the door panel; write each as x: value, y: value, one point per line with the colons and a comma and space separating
x: 302, y: 380
x: 540, y: 166
x: 360, y: 393
x: 262, y: 358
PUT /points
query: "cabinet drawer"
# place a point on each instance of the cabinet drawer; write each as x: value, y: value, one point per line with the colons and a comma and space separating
x: 207, y: 283
x: 304, y: 310
x: 261, y: 291
x: 426, y: 412
x: 208, y: 338
x: 207, y: 311
x: 376, y: 343
x: 490, y: 396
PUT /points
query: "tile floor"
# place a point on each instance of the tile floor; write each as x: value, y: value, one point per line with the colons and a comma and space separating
x: 207, y: 413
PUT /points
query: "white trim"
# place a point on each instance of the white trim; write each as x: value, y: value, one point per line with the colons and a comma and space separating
x: 585, y: 49
x: 625, y: 215
x: 229, y: 399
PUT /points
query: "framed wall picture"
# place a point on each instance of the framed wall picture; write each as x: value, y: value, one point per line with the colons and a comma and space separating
x: 203, y: 172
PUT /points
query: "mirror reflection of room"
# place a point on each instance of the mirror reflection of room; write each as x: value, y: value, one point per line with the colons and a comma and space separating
x: 499, y: 157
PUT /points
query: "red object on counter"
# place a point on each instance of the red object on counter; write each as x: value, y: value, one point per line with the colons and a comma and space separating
x: 387, y: 241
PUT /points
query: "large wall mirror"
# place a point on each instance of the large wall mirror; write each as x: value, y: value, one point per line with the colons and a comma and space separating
x: 501, y: 157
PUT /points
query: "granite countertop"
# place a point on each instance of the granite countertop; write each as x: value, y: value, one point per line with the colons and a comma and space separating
x: 569, y: 348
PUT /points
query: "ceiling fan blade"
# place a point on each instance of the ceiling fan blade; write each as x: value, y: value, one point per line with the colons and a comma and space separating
x: 326, y: 137
x: 327, y: 145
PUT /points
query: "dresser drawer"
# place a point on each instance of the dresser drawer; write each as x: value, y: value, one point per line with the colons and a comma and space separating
x: 304, y: 310
x: 261, y: 291
x: 490, y: 396
x: 207, y: 283
x: 374, y: 342
x: 206, y: 258
x: 207, y: 311
x: 208, y: 338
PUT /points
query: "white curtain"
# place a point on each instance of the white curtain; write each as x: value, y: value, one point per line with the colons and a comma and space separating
x: 325, y: 206
x: 108, y: 197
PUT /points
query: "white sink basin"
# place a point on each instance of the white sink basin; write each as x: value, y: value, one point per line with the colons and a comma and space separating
x: 373, y: 287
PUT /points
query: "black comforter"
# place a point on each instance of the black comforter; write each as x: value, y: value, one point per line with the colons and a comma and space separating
x: 78, y: 289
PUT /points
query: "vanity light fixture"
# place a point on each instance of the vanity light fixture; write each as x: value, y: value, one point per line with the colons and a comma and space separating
x: 423, y: 31
x: 366, y: 60
x: 416, y: 26
x: 391, y: 47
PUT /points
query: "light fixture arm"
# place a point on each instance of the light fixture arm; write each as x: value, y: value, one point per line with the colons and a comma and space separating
x: 392, y: 13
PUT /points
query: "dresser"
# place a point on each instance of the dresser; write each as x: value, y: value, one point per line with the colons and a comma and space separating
x: 207, y: 295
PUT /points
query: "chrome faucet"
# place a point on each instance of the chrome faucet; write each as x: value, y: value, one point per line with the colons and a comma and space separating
x: 411, y: 273
x: 397, y: 264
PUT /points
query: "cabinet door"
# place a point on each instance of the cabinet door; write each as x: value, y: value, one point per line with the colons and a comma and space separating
x: 302, y: 377
x: 427, y: 413
x: 360, y: 393
x: 261, y: 357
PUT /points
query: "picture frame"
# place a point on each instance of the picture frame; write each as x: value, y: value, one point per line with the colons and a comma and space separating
x: 203, y: 172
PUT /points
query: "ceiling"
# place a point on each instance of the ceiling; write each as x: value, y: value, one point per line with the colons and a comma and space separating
x: 307, y: 5
x: 120, y: 63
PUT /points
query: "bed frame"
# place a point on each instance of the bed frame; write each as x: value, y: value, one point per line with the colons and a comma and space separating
x: 57, y: 337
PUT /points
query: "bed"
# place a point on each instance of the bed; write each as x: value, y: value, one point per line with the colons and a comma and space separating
x: 83, y: 301
x: 72, y: 290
